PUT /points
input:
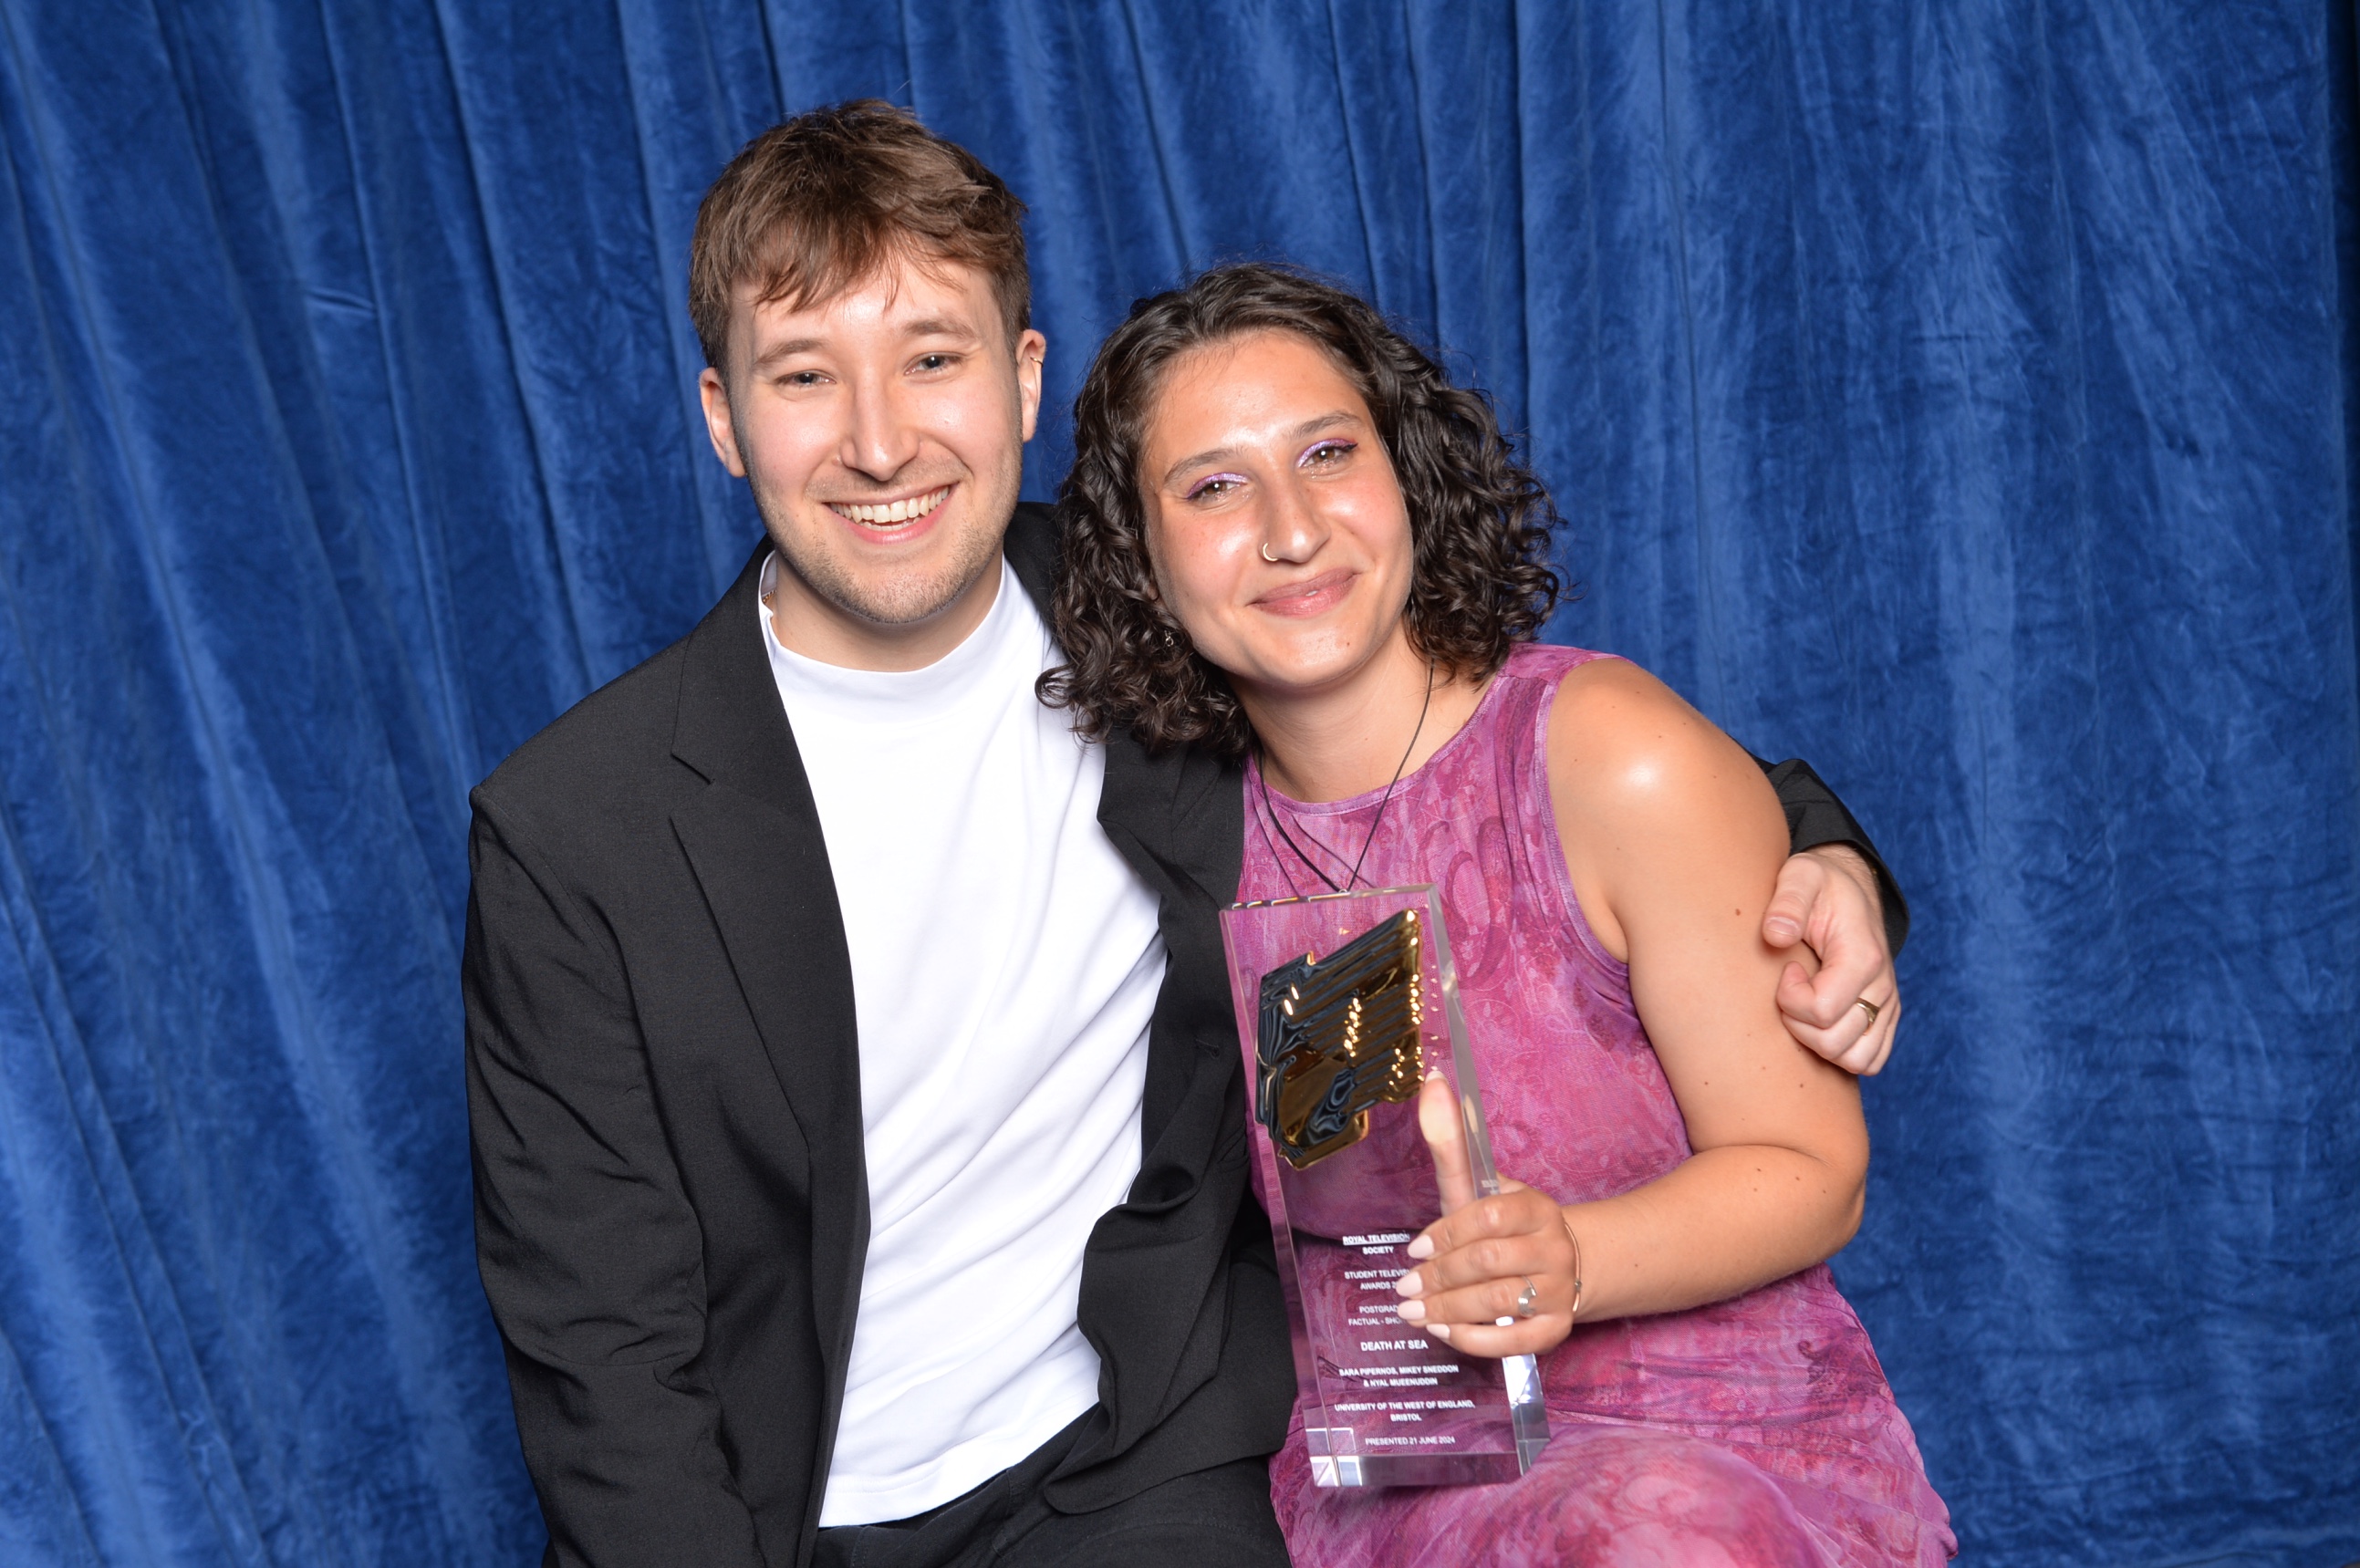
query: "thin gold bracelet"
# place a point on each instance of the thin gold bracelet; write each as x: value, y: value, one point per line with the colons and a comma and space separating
x: 1576, y: 1309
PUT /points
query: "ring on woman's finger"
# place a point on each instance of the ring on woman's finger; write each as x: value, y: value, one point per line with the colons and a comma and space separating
x: 1528, y: 1299
x: 1864, y: 1005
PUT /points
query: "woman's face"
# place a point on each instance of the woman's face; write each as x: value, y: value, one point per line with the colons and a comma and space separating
x: 1274, y: 523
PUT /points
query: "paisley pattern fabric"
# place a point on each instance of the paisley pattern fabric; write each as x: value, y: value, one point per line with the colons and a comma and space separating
x: 1751, y: 1432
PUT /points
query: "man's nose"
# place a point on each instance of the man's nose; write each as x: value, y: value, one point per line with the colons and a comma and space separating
x: 880, y: 441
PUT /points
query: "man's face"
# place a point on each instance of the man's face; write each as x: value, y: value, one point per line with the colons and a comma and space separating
x: 882, y: 433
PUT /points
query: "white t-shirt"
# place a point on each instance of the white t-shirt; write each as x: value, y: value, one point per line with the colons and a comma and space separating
x: 1005, y: 962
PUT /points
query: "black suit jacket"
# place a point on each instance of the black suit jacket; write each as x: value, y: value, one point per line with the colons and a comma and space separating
x: 672, y: 1204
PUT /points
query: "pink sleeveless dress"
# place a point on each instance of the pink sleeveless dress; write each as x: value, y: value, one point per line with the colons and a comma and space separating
x: 1751, y: 1432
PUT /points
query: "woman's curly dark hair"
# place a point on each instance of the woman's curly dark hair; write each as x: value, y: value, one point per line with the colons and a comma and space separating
x: 1480, y: 521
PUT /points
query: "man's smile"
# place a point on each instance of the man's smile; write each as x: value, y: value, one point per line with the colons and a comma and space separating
x: 889, y: 514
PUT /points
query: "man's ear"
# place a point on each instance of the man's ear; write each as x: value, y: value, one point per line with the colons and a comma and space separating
x: 1032, y: 348
x: 718, y: 422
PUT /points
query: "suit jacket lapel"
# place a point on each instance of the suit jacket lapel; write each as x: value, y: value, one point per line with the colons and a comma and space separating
x: 753, y: 839
x: 1177, y: 819
x: 1032, y: 549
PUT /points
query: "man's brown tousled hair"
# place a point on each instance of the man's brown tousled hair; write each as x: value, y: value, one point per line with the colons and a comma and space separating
x: 822, y: 202
x: 1479, y: 522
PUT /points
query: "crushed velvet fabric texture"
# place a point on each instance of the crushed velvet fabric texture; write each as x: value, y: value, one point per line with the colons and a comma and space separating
x: 1953, y: 395
x: 1645, y: 1413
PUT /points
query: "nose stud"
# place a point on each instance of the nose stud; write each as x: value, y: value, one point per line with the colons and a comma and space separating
x: 1266, y: 555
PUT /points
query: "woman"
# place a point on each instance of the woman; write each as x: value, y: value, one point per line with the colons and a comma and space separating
x: 1290, y: 539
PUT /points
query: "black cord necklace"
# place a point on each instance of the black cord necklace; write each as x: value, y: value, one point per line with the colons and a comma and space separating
x: 1353, y: 877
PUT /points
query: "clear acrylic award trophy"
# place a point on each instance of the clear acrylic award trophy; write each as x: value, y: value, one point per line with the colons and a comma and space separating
x: 1345, y: 1003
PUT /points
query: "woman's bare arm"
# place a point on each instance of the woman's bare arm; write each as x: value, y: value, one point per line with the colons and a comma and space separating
x: 1673, y: 842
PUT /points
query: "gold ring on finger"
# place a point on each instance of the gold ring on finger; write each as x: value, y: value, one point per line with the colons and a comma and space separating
x: 1867, y: 1006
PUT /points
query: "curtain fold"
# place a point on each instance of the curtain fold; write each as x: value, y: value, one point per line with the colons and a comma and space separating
x: 1956, y: 396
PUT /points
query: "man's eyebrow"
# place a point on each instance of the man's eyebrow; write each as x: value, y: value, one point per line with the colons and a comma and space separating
x: 786, y: 349
x: 938, y: 327
x: 923, y: 327
x: 1307, y: 428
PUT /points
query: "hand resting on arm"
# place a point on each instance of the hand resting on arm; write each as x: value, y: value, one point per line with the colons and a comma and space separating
x: 1827, y: 901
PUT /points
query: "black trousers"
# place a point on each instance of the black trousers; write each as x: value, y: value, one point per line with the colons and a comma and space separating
x: 1214, y: 1518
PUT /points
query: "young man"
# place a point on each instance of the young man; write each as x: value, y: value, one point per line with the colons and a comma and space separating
x: 860, y: 1134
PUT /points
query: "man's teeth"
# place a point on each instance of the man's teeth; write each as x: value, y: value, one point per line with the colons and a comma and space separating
x: 895, y: 511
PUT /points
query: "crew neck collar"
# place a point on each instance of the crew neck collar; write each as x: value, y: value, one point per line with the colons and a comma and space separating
x: 898, y: 695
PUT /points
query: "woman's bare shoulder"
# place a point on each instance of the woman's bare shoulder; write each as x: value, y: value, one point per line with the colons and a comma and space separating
x: 1624, y: 744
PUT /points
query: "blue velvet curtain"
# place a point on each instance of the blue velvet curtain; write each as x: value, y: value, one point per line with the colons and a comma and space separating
x: 1953, y: 394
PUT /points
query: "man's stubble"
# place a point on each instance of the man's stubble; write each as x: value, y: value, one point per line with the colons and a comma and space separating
x: 901, y: 599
